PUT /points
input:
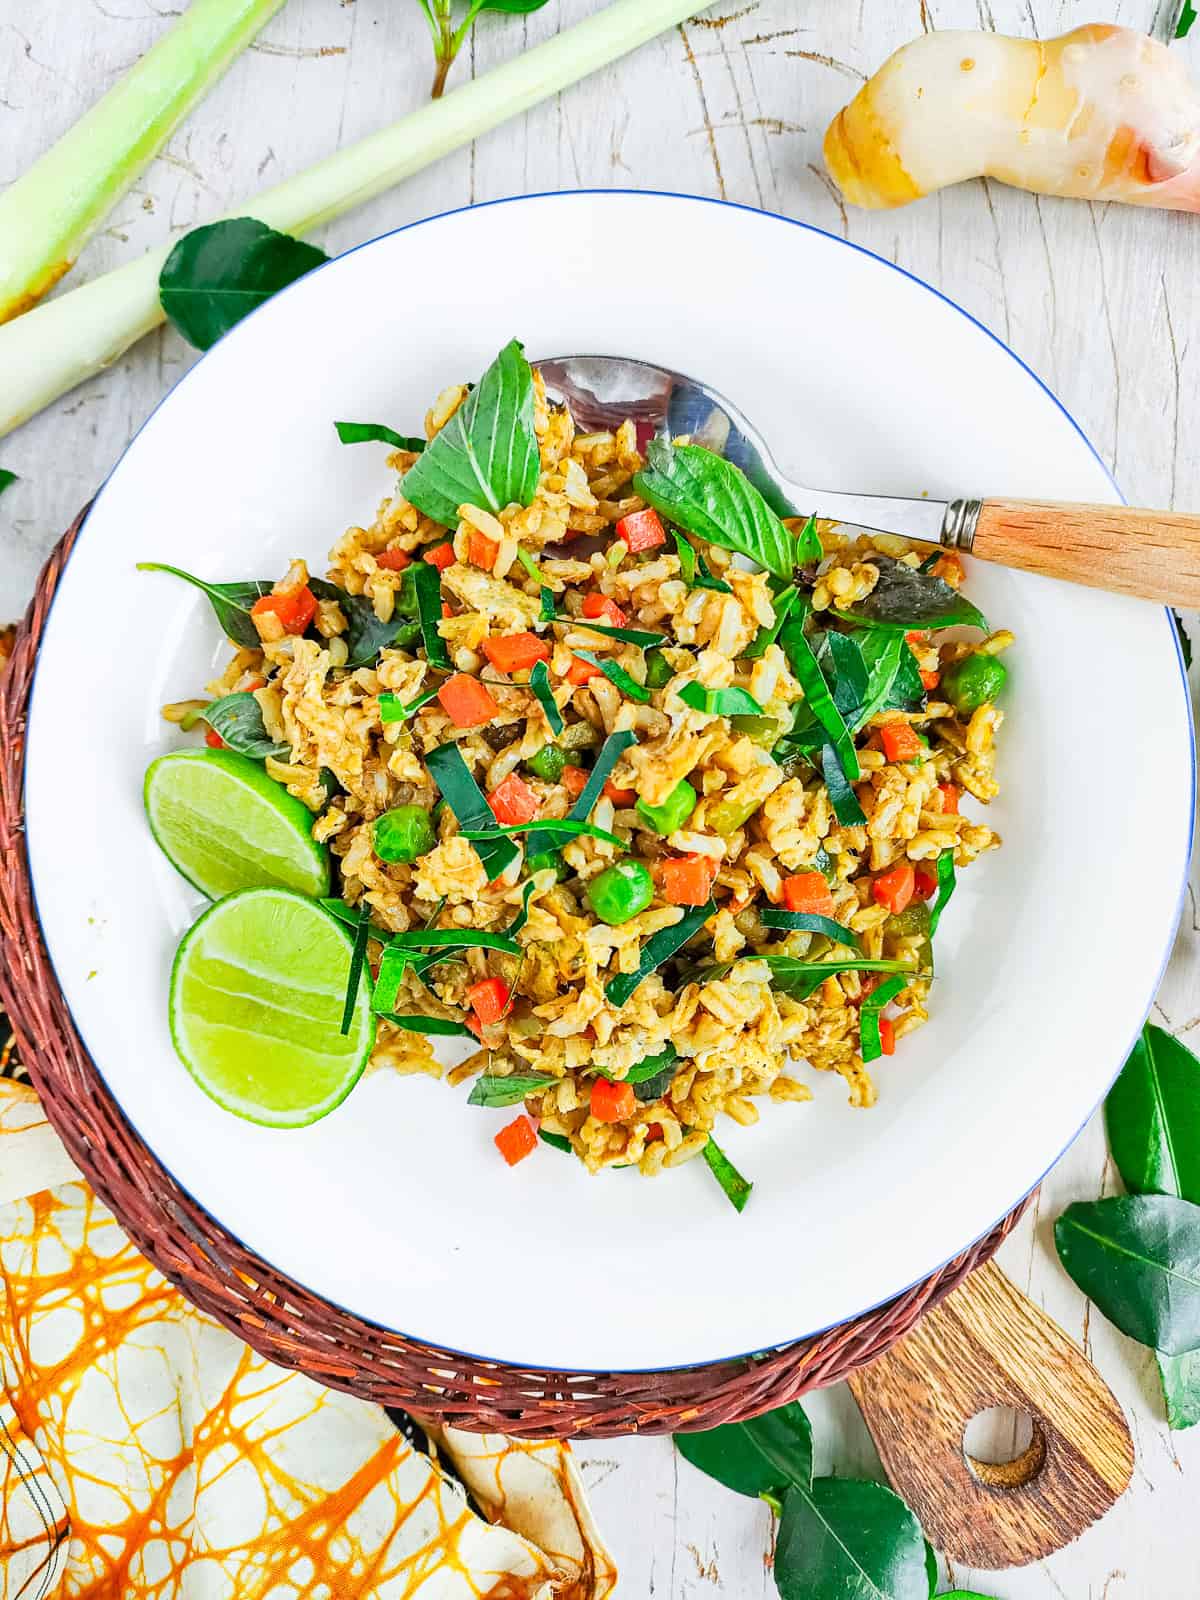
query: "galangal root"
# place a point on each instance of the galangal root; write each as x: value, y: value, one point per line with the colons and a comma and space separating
x: 1102, y: 113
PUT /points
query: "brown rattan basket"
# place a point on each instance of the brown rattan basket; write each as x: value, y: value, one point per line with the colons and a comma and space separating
x: 287, y: 1322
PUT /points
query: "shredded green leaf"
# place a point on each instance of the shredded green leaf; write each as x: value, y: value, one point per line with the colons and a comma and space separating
x: 7, y: 479
x: 557, y: 1140
x: 391, y: 710
x: 611, y: 752
x: 810, y: 922
x: 870, y: 1011
x: 491, y: 1090
x: 465, y: 798
x: 430, y: 1025
x: 946, y: 883
x: 358, y: 958
x: 642, y: 637
x: 782, y: 604
x: 378, y: 433
x: 460, y: 938
x: 561, y: 829
x: 730, y: 702
x: 545, y: 595
x: 658, y: 948
x: 736, y: 1188
x: 841, y: 796
x: 539, y: 682
x: 616, y: 675
x: 425, y: 582
x: 819, y: 698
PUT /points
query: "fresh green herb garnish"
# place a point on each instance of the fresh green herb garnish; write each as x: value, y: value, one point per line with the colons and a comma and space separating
x: 559, y: 829
x: 783, y: 604
x: 545, y: 595
x: 611, y: 752
x: 487, y: 454
x: 430, y: 1025
x: 539, y: 682
x: 819, y: 699
x: 358, y: 957
x: 493, y: 1091
x: 709, y: 497
x: 1138, y: 1258
x: 365, y: 635
x: 810, y: 922
x: 907, y: 598
x: 391, y: 710
x: 7, y: 479
x: 219, y: 273
x: 652, y: 1076
x: 616, y: 675
x: 730, y: 702
x: 736, y: 1188
x: 376, y: 433
x: 643, y: 637
x: 230, y: 601
x: 557, y: 1140
x: 465, y: 798
x: 1187, y: 16
x: 423, y: 582
x: 797, y: 978
x: 343, y: 912
x: 870, y: 1011
x: 448, y: 39
x: 693, y: 568
x: 238, y: 719
x: 841, y: 796
x: 459, y: 938
x: 946, y: 881
x: 658, y: 948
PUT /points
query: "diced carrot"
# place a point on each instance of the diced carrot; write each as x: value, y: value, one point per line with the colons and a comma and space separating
x: 894, y: 888
x: 251, y: 684
x: 447, y: 609
x: 580, y: 671
x: 574, y: 781
x: 887, y: 1036
x: 516, y: 1140
x: 653, y: 1132
x: 482, y: 551
x: 917, y: 635
x: 808, y: 891
x: 516, y: 652
x: 466, y: 701
x: 930, y: 679
x: 949, y: 794
x: 489, y: 999
x: 688, y: 880
x: 393, y: 560
x: 619, y: 797
x: 612, y: 1102
x: 950, y: 569
x: 214, y: 740
x: 899, y: 741
x: 596, y: 606
x: 924, y: 882
x: 440, y: 556
x: 295, y: 610
x: 513, y: 801
x: 642, y: 530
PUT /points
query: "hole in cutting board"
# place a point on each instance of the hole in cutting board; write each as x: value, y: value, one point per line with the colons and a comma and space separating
x: 1004, y: 1448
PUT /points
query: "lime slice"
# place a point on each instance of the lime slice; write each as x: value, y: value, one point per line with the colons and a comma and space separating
x: 257, y: 994
x: 226, y: 825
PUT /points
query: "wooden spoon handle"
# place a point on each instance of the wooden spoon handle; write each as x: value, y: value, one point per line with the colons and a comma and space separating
x: 1152, y: 554
x: 987, y: 1345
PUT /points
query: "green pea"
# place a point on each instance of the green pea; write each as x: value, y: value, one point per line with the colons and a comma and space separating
x: 541, y: 859
x: 972, y: 682
x: 659, y: 670
x: 674, y: 811
x: 621, y: 891
x: 403, y: 834
x: 548, y: 763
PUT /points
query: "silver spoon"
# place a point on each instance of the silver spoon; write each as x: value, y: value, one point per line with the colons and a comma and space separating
x: 1152, y: 554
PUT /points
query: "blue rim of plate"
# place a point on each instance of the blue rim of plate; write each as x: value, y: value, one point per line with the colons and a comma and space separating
x: 807, y: 227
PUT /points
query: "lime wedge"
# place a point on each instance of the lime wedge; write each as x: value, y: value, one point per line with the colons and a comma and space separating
x: 257, y: 994
x: 226, y: 825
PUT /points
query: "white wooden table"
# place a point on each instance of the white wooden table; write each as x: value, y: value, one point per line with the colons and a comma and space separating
x: 1101, y: 301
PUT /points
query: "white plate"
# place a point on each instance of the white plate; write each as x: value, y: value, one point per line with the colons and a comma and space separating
x: 397, y: 1206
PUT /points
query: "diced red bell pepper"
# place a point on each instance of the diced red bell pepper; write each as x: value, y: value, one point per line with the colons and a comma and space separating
x: 214, y: 740
x: 513, y: 801
x: 949, y: 794
x: 917, y: 635
x: 950, y: 569
x: 482, y: 551
x: 808, y: 891
x: 688, y: 880
x: 489, y: 999
x: 642, y: 530
x: 574, y: 781
x: 466, y: 701
x: 619, y: 797
x: 887, y: 1036
x: 295, y: 610
x: 447, y: 609
x: 516, y: 652
x: 930, y: 680
x: 596, y: 606
x: 612, y: 1102
x: 900, y: 741
x: 440, y: 556
x: 894, y: 888
x: 580, y: 671
x: 516, y: 1140
x: 393, y: 560
x: 924, y: 882
x: 653, y: 1132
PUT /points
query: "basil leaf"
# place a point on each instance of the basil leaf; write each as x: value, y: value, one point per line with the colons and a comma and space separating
x: 1138, y: 1258
x: 564, y: 829
x: 358, y: 957
x: 376, y: 433
x: 798, y: 979
x: 648, y: 1090
x: 946, y: 882
x: 1180, y: 1378
x: 818, y: 697
x: 546, y: 596
x: 487, y: 454
x: 660, y: 947
x: 869, y: 1013
x: 1153, y: 1118
x: 365, y: 635
x: 881, y: 654
x: 422, y: 590
x: 736, y: 1188
x: 763, y: 1456
x: 238, y: 719
x: 218, y: 274
x: 653, y: 1066
x: 709, y: 497
x: 810, y: 922
x: 841, y: 796
x: 430, y: 1025
x: 7, y: 479
x: 391, y: 710
x: 460, y: 938
x: 539, y: 682
x: 730, y: 702
x: 616, y: 675
x: 693, y: 568
x: 465, y: 798
x: 848, y: 677
x: 230, y: 601
x: 611, y: 752
x: 907, y: 692
x: 782, y: 604
x: 557, y: 1140
x: 493, y: 1091
x: 643, y: 637
x: 906, y: 598
x: 848, y: 1540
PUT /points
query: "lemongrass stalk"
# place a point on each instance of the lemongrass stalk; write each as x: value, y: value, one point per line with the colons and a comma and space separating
x: 47, y: 215
x: 58, y: 345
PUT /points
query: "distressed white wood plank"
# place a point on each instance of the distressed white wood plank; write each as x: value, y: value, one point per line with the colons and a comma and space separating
x: 1102, y: 304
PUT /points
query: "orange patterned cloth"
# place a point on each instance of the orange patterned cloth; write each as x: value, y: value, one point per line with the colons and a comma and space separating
x: 145, y: 1451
